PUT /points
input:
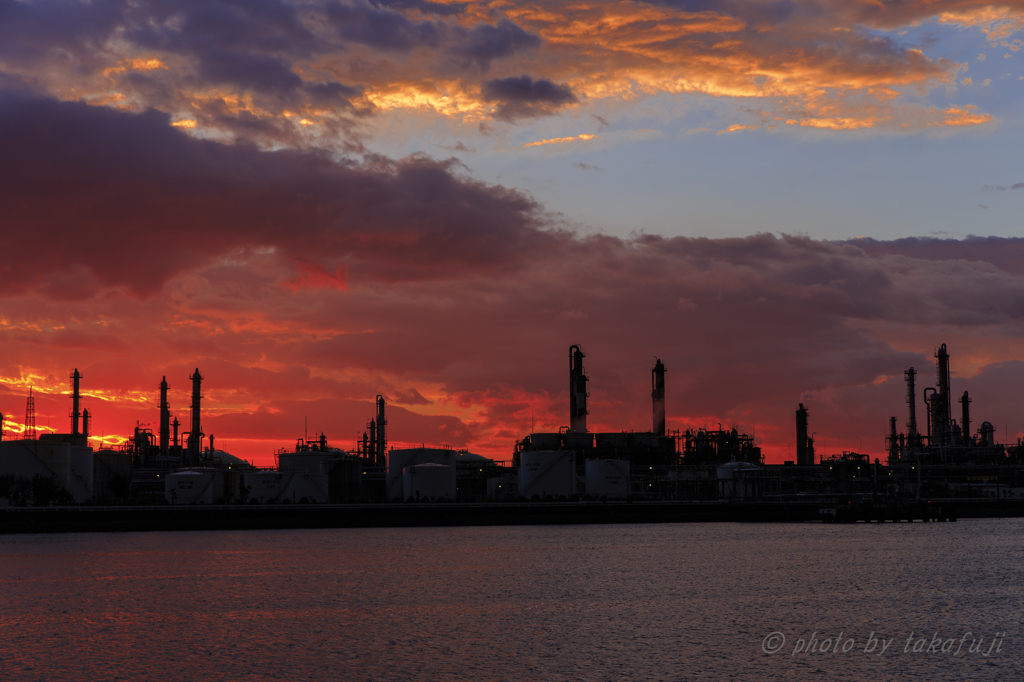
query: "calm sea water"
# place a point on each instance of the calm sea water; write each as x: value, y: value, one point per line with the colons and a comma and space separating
x: 639, y: 602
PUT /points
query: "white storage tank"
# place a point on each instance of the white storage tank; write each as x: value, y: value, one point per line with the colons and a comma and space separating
x: 608, y: 478
x: 263, y: 486
x: 305, y: 488
x: 429, y: 481
x: 547, y: 473
x: 308, y: 461
x: 739, y: 479
x: 194, y: 486
x: 398, y: 460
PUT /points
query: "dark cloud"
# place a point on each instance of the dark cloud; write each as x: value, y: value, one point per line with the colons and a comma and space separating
x: 1003, y: 188
x: 585, y: 166
x: 484, y: 43
x: 1005, y: 253
x: 382, y: 28
x: 425, y: 6
x: 249, y: 72
x: 524, y: 97
x: 330, y: 93
x: 89, y: 187
x: 33, y: 32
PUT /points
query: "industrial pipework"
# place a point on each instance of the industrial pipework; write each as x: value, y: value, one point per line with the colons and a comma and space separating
x: 658, y: 396
x: 577, y: 391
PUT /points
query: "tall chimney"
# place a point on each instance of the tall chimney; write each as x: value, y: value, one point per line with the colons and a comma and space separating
x: 801, y: 436
x: 658, y: 396
x: 894, y: 443
x: 943, y: 409
x: 382, y: 441
x: 195, y: 436
x: 371, y: 452
x: 165, y: 419
x: 85, y: 425
x: 75, y: 401
x: 577, y: 391
x: 909, y: 375
x: 965, y: 418
x: 176, y: 424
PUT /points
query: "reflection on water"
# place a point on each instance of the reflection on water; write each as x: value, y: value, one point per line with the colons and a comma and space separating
x: 643, y: 602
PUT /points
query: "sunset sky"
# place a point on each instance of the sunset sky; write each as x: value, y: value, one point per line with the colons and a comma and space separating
x: 316, y: 202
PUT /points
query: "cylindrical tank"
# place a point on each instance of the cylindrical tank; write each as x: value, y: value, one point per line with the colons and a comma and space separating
x: 545, y: 441
x: 195, y: 486
x: 579, y: 440
x: 304, y: 461
x: 398, y: 460
x: 549, y: 473
x: 263, y: 486
x: 302, y: 487
x: 736, y: 479
x: 608, y: 478
x: 429, y: 481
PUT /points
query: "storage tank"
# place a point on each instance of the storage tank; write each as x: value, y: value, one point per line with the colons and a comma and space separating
x: 400, y: 459
x: 545, y: 441
x: 579, y: 440
x: 194, y: 486
x: 429, y: 481
x: 550, y: 473
x: 309, y: 461
x: 305, y: 488
x: 608, y: 478
x: 738, y: 479
x: 263, y: 486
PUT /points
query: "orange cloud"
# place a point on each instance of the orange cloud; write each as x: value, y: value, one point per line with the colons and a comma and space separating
x: 561, y: 140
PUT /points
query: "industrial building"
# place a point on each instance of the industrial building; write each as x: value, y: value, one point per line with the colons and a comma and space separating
x: 943, y: 458
x: 944, y: 440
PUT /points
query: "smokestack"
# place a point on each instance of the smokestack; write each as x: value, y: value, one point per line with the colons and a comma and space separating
x: 942, y: 370
x: 195, y: 436
x: 165, y: 419
x: 75, y: 401
x: 658, y: 396
x: 371, y: 453
x: 801, y: 437
x: 1, y: 427
x: 382, y: 441
x: 577, y: 391
x: 909, y: 375
x: 942, y: 414
x: 176, y: 424
x: 894, y: 445
x: 965, y: 418
x: 85, y: 425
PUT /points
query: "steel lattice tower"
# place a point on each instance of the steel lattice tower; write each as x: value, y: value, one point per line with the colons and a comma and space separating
x: 30, y: 416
